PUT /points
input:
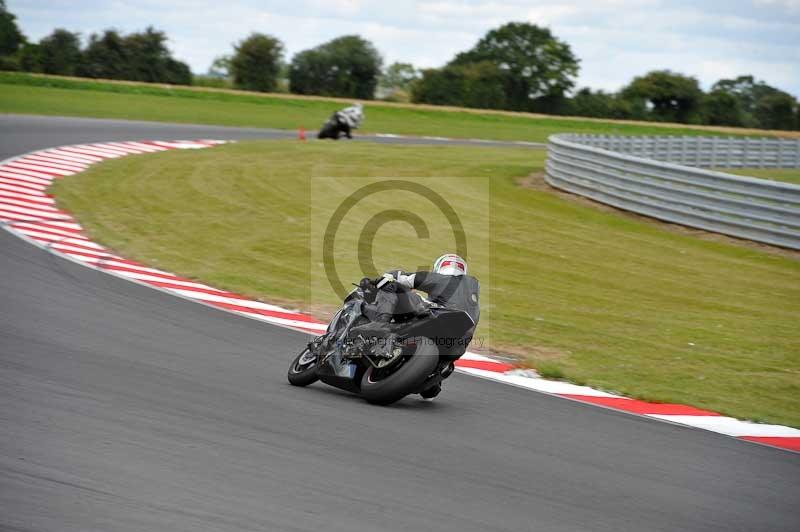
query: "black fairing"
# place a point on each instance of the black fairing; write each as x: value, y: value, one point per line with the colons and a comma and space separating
x: 341, y: 373
x: 447, y: 328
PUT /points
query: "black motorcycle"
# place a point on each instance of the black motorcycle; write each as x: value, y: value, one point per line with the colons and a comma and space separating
x: 334, y: 127
x: 385, y: 361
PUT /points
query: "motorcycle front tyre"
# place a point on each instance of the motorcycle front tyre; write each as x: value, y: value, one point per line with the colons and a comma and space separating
x: 302, y: 374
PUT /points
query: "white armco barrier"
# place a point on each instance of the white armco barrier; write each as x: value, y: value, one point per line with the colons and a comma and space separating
x: 640, y: 174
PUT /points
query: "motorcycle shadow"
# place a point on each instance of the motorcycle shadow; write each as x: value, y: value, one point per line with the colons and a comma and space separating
x: 411, y: 402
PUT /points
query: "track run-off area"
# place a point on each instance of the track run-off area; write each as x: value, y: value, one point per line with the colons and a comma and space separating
x: 125, y: 408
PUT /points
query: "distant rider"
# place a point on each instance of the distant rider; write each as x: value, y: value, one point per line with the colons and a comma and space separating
x: 352, y: 117
x: 347, y: 120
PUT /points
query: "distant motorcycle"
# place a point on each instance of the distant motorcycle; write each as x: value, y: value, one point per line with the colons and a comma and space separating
x: 334, y: 128
x: 342, y: 123
x: 384, y: 362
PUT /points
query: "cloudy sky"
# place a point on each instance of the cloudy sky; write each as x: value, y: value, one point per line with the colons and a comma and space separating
x: 615, y: 39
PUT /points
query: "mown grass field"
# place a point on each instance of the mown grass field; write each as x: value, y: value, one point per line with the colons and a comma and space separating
x: 607, y: 300
x: 50, y: 95
x: 787, y: 175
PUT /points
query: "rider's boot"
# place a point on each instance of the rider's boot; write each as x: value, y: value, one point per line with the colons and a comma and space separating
x: 429, y: 393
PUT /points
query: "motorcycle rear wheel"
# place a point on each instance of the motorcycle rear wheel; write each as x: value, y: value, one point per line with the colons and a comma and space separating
x: 303, y: 370
x: 405, y: 380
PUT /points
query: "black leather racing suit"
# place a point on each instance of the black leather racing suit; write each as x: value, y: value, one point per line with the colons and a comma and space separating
x: 396, y: 299
x: 460, y: 292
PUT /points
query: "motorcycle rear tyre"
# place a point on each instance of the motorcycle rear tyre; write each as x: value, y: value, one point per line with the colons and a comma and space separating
x: 406, y: 380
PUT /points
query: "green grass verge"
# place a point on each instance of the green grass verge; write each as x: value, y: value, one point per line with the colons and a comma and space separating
x: 603, y: 299
x: 45, y: 95
x: 787, y: 175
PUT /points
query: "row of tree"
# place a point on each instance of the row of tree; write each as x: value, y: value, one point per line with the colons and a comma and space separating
x: 141, y: 56
x: 671, y: 97
x: 522, y: 67
x: 518, y: 66
x: 347, y: 66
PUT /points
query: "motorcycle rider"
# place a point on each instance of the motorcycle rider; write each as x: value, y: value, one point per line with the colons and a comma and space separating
x: 448, y: 285
x: 348, y: 119
x: 352, y: 117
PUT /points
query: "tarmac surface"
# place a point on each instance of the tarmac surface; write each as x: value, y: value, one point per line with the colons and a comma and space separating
x: 126, y: 409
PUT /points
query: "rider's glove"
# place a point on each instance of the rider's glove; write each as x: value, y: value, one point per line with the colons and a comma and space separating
x: 367, y: 285
x: 384, y: 279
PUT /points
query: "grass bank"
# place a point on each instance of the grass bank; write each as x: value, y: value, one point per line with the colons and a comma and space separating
x: 53, y: 95
x: 606, y: 300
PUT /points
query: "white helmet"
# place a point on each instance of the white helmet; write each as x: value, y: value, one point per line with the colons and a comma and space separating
x: 450, y: 265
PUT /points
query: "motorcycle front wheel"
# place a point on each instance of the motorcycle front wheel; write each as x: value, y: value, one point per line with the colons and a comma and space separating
x: 303, y: 370
x: 382, y: 387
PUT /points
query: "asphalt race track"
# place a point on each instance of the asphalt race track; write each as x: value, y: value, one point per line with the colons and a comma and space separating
x: 22, y: 133
x: 126, y: 409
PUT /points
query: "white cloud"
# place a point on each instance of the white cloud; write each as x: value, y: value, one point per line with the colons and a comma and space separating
x: 340, y: 7
x: 549, y: 14
x: 791, y: 5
